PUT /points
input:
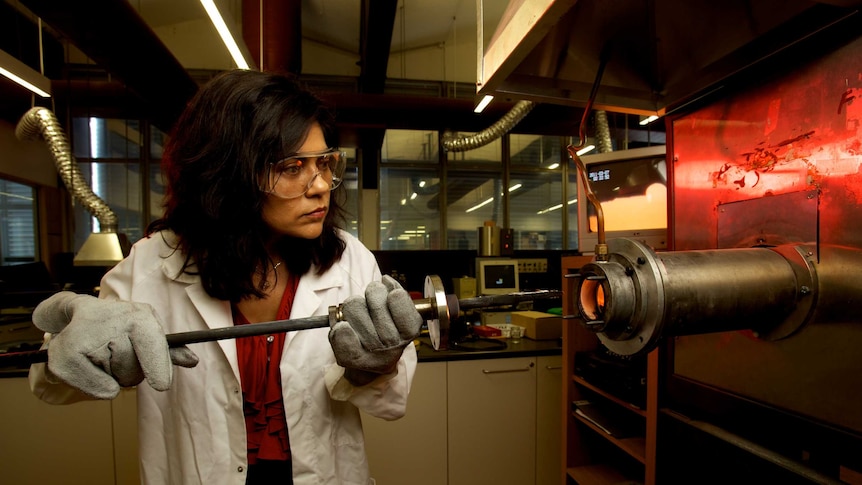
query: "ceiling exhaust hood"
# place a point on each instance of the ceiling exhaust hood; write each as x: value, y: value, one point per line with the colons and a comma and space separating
x: 660, y: 54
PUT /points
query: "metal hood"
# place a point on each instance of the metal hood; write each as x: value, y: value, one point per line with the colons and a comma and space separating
x: 660, y: 54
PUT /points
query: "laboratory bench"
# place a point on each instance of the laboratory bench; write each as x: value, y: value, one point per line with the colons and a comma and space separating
x: 475, y: 349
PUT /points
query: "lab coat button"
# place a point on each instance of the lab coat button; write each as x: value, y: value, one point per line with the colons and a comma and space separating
x: 239, y: 469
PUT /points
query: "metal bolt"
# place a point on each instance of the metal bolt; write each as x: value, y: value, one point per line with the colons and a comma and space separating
x: 804, y: 290
x: 641, y: 260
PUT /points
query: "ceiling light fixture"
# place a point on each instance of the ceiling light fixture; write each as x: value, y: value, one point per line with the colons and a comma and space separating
x: 225, y: 33
x: 24, y: 75
x: 555, y: 207
x: 647, y: 120
x: 586, y: 149
x: 483, y: 104
x: 480, y: 204
x: 490, y: 199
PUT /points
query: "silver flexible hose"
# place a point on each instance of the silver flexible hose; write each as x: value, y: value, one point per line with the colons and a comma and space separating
x: 41, y: 122
x: 498, y: 129
x: 603, y: 132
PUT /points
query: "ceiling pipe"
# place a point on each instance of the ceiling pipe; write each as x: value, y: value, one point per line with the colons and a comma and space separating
x: 454, y: 143
x: 273, y: 34
x: 376, y: 24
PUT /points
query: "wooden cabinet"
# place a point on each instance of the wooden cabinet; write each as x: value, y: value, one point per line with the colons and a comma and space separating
x: 549, y: 398
x: 492, y: 421
x: 412, y: 449
x: 591, y: 455
x: 487, y: 421
x: 92, y: 442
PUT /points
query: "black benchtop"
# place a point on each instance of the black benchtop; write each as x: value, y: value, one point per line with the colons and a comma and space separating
x: 524, y: 348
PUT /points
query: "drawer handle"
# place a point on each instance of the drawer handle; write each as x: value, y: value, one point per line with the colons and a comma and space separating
x: 553, y: 367
x: 504, y: 371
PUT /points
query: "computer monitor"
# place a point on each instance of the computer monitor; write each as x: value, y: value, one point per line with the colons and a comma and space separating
x: 631, y: 185
x: 496, y: 276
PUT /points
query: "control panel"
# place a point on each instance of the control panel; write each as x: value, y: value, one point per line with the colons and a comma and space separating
x: 533, y: 265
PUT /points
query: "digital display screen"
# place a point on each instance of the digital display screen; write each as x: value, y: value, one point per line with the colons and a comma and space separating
x: 633, y: 193
x: 600, y: 175
x: 500, y: 276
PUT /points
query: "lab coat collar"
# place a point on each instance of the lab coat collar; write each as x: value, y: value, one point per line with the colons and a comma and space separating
x: 307, y: 300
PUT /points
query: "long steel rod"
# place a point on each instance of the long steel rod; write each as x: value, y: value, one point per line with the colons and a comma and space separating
x: 424, y: 306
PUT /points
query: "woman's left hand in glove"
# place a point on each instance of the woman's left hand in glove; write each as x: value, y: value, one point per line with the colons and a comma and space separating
x: 370, y: 340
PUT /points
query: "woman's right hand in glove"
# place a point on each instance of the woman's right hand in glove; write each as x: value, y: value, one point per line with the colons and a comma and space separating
x: 99, y: 345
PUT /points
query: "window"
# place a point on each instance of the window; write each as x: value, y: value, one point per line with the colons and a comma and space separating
x: 474, y: 192
x: 351, y: 192
x: 17, y: 223
x: 472, y: 198
x: 536, y: 208
x: 409, y: 215
x: 410, y: 190
x: 109, y: 155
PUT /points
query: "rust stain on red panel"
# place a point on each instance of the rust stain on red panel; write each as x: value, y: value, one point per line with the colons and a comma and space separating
x: 799, y: 133
x: 746, y: 170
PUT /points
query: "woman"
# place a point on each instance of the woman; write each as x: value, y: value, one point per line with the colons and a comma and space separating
x: 249, y: 234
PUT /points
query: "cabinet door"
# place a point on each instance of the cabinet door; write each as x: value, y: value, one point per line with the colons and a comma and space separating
x: 412, y: 449
x: 124, y: 419
x: 549, y: 419
x: 44, y: 443
x: 492, y: 422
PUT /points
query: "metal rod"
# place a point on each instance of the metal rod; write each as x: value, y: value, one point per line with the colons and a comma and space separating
x: 755, y: 449
x: 424, y: 306
x: 507, y: 299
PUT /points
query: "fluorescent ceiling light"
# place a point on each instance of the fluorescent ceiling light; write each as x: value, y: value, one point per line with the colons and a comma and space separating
x: 480, y: 204
x: 648, y: 120
x: 555, y: 207
x: 586, y: 149
x: 24, y: 75
x: 490, y: 199
x: 225, y: 34
x: 483, y: 104
x: 549, y: 209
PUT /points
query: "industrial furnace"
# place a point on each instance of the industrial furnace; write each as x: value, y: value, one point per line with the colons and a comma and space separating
x: 758, y: 298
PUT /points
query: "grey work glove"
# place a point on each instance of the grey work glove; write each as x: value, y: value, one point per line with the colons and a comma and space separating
x: 376, y: 329
x: 99, y: 345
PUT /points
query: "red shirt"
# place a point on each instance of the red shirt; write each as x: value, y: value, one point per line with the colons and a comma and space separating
x: 258, y: 358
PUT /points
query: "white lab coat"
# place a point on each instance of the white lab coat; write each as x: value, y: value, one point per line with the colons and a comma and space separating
x: 194, y: 433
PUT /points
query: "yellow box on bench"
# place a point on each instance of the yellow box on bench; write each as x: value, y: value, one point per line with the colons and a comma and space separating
x: 539, y: 325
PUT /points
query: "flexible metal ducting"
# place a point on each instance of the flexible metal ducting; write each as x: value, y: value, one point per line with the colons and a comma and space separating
x: 603, y: 132
x: 498, y: 129
x: 41, y: 123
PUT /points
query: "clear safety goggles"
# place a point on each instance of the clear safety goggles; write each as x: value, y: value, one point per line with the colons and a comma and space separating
x: 291, y: 177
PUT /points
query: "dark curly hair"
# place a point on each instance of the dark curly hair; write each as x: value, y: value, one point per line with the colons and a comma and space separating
x: 213, y: 163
